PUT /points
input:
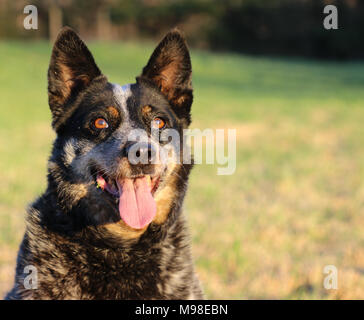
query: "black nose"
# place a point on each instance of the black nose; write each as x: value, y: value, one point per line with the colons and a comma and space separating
x: 140, y: 152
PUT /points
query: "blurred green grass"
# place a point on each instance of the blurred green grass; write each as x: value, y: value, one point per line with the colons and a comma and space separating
x: 295, y: 202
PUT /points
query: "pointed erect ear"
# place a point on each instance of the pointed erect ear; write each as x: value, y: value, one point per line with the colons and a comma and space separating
x: 71, y: 69
x: 169, y: 68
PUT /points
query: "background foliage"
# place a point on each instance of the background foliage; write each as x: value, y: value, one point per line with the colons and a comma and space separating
x: 274, y: 27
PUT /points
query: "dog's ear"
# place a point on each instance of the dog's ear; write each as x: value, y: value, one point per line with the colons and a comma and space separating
x: 169, y: 68
x: 71, y: 69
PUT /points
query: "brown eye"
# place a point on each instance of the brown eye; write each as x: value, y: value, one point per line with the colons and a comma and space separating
x: 101, y: 123
x: 159, y: 123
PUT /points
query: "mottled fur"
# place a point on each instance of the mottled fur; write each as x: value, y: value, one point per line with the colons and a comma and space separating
x: 74, y: 235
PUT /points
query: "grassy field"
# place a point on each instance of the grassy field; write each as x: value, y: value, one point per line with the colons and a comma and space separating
x: 295, y: 202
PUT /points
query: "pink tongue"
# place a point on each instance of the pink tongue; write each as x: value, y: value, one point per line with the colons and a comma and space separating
x: 136, y: 204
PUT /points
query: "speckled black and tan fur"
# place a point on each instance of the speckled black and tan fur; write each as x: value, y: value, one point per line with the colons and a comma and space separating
x: 74, y: 235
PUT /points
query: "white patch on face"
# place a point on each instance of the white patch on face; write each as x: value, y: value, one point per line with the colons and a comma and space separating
x: 121, y: 94
x: 69, y: 151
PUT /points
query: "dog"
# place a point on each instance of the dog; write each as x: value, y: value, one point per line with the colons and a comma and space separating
x: 106, y: 227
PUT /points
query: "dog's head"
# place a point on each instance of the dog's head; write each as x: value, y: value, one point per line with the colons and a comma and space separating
x: 107, y: 158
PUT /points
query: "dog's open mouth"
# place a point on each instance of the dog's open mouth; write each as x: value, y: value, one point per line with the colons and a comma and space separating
x: 137, y: 206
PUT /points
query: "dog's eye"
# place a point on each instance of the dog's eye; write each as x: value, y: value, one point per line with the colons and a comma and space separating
x: 159, y: 123
x: 100, y: 123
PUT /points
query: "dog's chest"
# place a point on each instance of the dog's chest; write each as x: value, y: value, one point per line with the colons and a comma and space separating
x: 159, y: 272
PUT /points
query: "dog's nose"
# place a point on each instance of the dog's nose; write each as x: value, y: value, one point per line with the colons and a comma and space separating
x: 140, y: 152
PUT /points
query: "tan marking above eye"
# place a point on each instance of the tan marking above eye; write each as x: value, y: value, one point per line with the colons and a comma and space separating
x: 146, y: 109
x: 113, y: 111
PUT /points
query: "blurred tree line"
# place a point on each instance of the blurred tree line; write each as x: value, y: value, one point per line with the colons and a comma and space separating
x: 273, y: 27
